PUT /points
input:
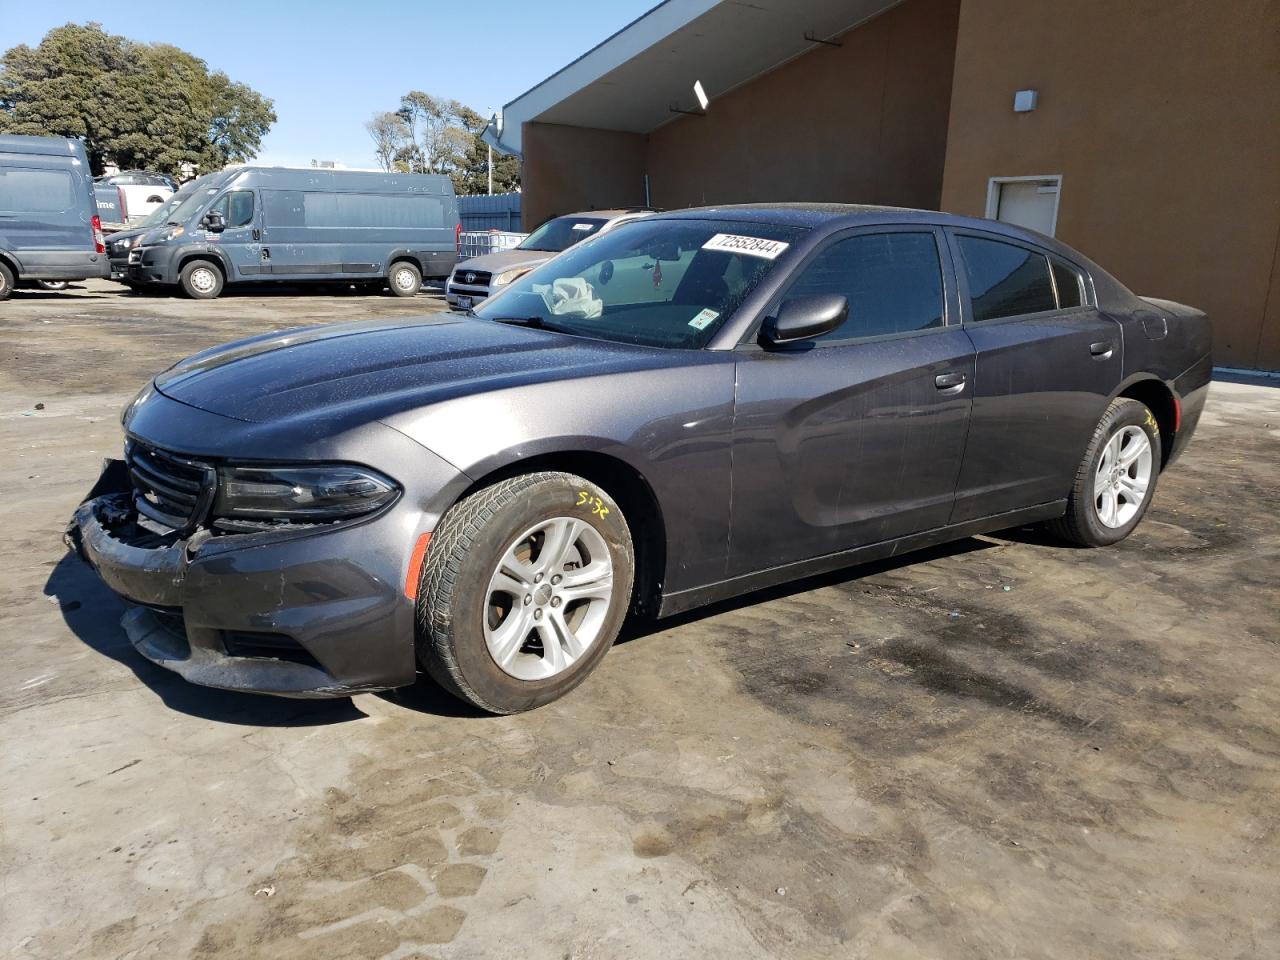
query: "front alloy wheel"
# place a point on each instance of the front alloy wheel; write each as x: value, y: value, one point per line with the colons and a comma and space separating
x: 549, y: 597
x: 526, y: 584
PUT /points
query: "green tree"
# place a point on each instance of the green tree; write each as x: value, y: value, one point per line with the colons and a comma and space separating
x: 430, y: 134
x: 134, y: 104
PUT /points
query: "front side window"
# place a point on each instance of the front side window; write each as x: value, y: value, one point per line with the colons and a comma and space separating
x: 561, y: 233
x: 893, y: 282
x: 236, y: 208
x: 1005, y: 280
x: 35, y: 191
x: 662, y: 283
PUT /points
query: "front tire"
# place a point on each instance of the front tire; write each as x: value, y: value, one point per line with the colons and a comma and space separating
x: 404, y: 279
x: 201, y: 280
x: 1116, y: 479
x: 524, y: 589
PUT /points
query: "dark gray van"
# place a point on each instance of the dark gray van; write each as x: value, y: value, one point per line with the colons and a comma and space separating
x: 254, y: 224
x: 49, y: 226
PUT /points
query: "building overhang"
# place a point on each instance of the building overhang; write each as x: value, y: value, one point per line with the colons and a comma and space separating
x: 642, y: 77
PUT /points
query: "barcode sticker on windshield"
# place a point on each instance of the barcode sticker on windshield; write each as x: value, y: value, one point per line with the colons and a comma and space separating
x: 751, y: 246
x: 703, y: 319
x: 583, y: 226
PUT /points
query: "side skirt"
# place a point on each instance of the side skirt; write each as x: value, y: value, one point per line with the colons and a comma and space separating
x: 673, y: 603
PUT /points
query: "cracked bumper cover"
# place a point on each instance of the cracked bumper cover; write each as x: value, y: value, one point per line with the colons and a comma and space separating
x: 335, y: 594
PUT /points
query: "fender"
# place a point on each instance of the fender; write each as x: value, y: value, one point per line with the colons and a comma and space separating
x: 188, y: 251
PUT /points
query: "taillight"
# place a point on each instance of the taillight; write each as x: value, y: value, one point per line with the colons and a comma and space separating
x: 457, y: 238
x: 124, y: 205
x: 99, y: 241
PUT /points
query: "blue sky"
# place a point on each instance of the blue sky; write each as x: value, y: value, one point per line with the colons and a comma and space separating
x: 330, y: 65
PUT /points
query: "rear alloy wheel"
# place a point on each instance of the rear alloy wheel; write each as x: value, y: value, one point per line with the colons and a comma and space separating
x: 6, y: 281
x: 201, y: 280
x: 525, y: 586
x: 53, y: 284
x: 1116, y: 479
x: 405, y: 279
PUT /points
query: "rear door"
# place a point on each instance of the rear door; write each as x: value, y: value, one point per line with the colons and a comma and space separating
x: 41, y: 205
x: 857, y: 437
x: 1047, y: 362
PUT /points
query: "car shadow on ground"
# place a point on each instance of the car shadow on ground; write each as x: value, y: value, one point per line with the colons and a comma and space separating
x: 93, y: 613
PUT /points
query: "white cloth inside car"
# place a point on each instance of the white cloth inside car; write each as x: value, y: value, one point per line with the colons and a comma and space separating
x: 570, y: 295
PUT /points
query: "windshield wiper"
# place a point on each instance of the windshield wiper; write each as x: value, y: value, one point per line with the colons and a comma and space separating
x: 537, y: 322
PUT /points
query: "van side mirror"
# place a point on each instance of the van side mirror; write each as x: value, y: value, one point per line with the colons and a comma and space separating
x: 214, y: 222
x: 803, y: 318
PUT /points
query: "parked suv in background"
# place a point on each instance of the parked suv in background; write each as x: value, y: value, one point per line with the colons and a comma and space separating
x: 475, y: 279
x: 49, y: 225
x: 143, y: 190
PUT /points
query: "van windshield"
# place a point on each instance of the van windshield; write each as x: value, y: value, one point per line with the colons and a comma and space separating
x: 179, y: 215
x: 160, y: 215
x: 661, y: 283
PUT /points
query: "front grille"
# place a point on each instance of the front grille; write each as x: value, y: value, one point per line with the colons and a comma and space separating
x: 167, y: 488
x: 479, y: 278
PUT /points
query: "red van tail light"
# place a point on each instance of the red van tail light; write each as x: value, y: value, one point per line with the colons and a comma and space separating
x: 99, y: 241
x: 124, y: 205
x: 457, y: 238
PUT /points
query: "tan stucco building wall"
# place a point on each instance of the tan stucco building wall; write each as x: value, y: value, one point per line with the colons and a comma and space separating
x: 1163, y: 119
x: 1161, y: 116
x: 865, y: 122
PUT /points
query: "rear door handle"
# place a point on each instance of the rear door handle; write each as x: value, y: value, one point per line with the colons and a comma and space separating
x: 950, y: 382
x: 1102, y: 349
x: 257, y: 234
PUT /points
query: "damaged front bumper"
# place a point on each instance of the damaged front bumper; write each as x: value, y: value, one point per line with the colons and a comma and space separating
x: 318, y: 614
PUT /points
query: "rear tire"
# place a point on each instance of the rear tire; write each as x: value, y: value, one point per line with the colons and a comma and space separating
x: 55, y: 285
x: 1116, y: 480
x: 404, y: 279
x: 524, y: 589
x: 6, y: 281
x: 201, y: 280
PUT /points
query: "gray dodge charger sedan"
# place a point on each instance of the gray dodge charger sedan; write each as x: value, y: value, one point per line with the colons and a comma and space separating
x: 692, y: 406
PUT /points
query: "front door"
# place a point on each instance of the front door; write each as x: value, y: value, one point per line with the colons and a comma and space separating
x: 1047, y: 362
x: 239, y: 241
x: 857, y: 437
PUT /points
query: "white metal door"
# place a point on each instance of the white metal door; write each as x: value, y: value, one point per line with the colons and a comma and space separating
x: 1030, y: 202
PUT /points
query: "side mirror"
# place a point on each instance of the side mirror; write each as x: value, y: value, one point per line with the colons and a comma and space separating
x: 214, y: 222
x: 804, y: 318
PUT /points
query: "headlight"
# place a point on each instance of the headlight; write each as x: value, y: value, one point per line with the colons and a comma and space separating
x: 319, y: 493
x: 502, y: 279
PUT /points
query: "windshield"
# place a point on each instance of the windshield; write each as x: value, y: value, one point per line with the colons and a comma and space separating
x: 661, y: 283
x: 561, y: 233
x: 160, y: 214
x: 179, y: 215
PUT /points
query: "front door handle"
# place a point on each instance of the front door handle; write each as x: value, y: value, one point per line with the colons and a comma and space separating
x: 950, y: 382
x: 1102, y: 349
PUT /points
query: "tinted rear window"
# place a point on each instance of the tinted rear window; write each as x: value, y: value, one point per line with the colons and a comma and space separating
x: 1005, y: 280
x: 1070, y: 290
x: 893, y: 282
x: 35, y: 191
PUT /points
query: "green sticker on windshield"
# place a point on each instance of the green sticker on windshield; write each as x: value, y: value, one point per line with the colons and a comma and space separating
x: 703, y: 319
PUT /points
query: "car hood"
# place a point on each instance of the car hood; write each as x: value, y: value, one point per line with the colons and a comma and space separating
x: 505, y: 260
x: 367, y: 370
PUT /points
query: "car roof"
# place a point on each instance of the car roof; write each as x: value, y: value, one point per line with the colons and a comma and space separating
x: 836, y: 216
